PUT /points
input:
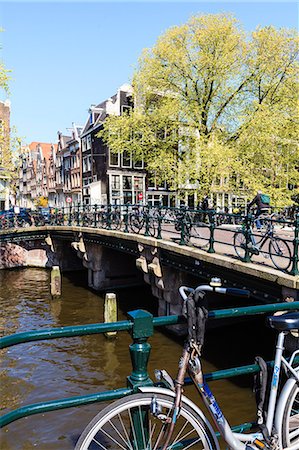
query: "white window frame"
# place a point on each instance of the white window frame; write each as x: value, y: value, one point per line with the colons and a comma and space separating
x: 118, y: 159
x: 122, y: 161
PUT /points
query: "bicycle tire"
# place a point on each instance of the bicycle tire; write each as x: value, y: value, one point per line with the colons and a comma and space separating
x: 115, y: 221
x: 240, y: 244
x: 280, y: 253
x: 290, y: 423
x: 153, y: 227
x: 136, y: 223
x: 113, y: 428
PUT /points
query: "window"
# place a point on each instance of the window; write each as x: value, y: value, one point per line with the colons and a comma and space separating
x: 84, y: 144
x: 88, y: 142
x: 126, y: 159
x: 113, y: 159
x: 127, y: 189
x: 138, y: 183
x: 115, y: 182
x: 125, y: 109
x: 138, y: 164
x: 127, y: 182
x: 151, y: 181
x: 87, y: 163
x: 127, y: 197
x: 115, y: 187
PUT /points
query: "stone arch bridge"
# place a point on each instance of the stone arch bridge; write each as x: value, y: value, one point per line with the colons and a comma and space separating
x: 115, y: 258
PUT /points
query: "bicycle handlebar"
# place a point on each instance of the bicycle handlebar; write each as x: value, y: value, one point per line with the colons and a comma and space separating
x: 185, y: 291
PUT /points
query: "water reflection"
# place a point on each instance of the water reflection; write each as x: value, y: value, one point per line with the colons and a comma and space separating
x: 111, y: 365
x: 49, y: 370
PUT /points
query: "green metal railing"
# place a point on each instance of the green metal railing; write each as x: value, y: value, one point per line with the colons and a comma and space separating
x: 141, y: 326
x: 211, y: 231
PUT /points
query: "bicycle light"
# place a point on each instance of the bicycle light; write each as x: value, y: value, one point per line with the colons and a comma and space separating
x: 215, y: 282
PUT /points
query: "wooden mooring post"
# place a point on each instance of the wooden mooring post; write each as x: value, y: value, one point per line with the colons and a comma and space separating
x: 55, y: 282
x: 110, y: 312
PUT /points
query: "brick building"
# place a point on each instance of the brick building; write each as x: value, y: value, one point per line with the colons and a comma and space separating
x: 5, y: 158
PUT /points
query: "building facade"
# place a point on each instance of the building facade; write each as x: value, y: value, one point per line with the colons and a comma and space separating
x: 4, y: 154
x: 34, y: 166
x: 109, y: 178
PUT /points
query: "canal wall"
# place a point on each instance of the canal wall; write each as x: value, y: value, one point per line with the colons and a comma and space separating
x: 13, y: 255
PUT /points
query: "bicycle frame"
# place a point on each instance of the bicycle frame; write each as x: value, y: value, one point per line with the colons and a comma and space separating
x: 237, y: 440
x: 267, y: 235
x: 190, y: 362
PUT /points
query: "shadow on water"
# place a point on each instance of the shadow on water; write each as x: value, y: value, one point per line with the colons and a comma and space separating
x: 228, y: 343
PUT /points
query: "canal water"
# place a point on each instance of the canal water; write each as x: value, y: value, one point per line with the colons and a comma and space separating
x: 48, y: 370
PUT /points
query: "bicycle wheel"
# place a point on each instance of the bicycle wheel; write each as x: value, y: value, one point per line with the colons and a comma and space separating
x: 153, y: 227
x: 136, y: 223
x: 280, y: 253
x: 129, y: 424
x: 240, y: 244
x: 115, y: 221
x: 290, y: 424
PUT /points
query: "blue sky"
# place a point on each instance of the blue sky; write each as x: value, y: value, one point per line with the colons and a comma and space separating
x: 67, y: 55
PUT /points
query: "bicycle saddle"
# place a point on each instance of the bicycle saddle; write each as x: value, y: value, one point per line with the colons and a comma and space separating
x: 284, y: 322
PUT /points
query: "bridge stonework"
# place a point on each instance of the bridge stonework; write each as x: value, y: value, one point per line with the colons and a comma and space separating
x: 115, y: 258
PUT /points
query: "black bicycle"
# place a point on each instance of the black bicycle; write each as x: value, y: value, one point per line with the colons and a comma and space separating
x: 278, y: 249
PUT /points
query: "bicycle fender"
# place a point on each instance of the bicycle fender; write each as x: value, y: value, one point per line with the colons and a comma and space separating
x: 280, y: 407
x: 198, y: 411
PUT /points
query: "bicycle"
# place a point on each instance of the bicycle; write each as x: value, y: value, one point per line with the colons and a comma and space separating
x: 109, y: 219
x: 144, y: 218
x: 278, y: 250
x: 187, y: 221
x: 162, y: 418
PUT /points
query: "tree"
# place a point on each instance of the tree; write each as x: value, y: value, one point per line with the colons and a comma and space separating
x: 236, y: 96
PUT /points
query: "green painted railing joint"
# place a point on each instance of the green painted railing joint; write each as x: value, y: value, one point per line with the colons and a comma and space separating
x: 140, y: 349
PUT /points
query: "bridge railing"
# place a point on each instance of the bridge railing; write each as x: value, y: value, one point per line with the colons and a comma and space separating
x: 141, y: 326
x: 276, y: 244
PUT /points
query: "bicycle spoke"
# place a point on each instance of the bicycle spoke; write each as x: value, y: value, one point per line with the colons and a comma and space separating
x: 152, y: 428
x: 141, y: 426
x: 125, y: 431
x: 99, y: 444
x: 178, y: 439
x: 161, y: 433
x: 132, y: 426
x: 108, y: 435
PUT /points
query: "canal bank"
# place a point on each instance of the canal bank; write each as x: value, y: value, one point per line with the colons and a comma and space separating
x: 49, y: 370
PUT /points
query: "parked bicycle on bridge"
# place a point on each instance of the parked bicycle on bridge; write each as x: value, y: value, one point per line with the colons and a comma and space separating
x: 245, y: 240
x: 162, y: 418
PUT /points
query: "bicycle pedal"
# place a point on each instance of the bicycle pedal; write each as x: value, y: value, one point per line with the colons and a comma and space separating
x: 261, y: 445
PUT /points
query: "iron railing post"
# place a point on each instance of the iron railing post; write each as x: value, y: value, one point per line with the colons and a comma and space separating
x: 126, y: 217
x: 212, y: 219
x: 140, y: 349
x: 108, y: 217
x: 78, y: 215
x: 182, y: 226
x: 70, y: 215
x: 160, y: 219
x: 247, y: 234
x: 295, y: 257
x: 95, y: 215
x: 146, y: 212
